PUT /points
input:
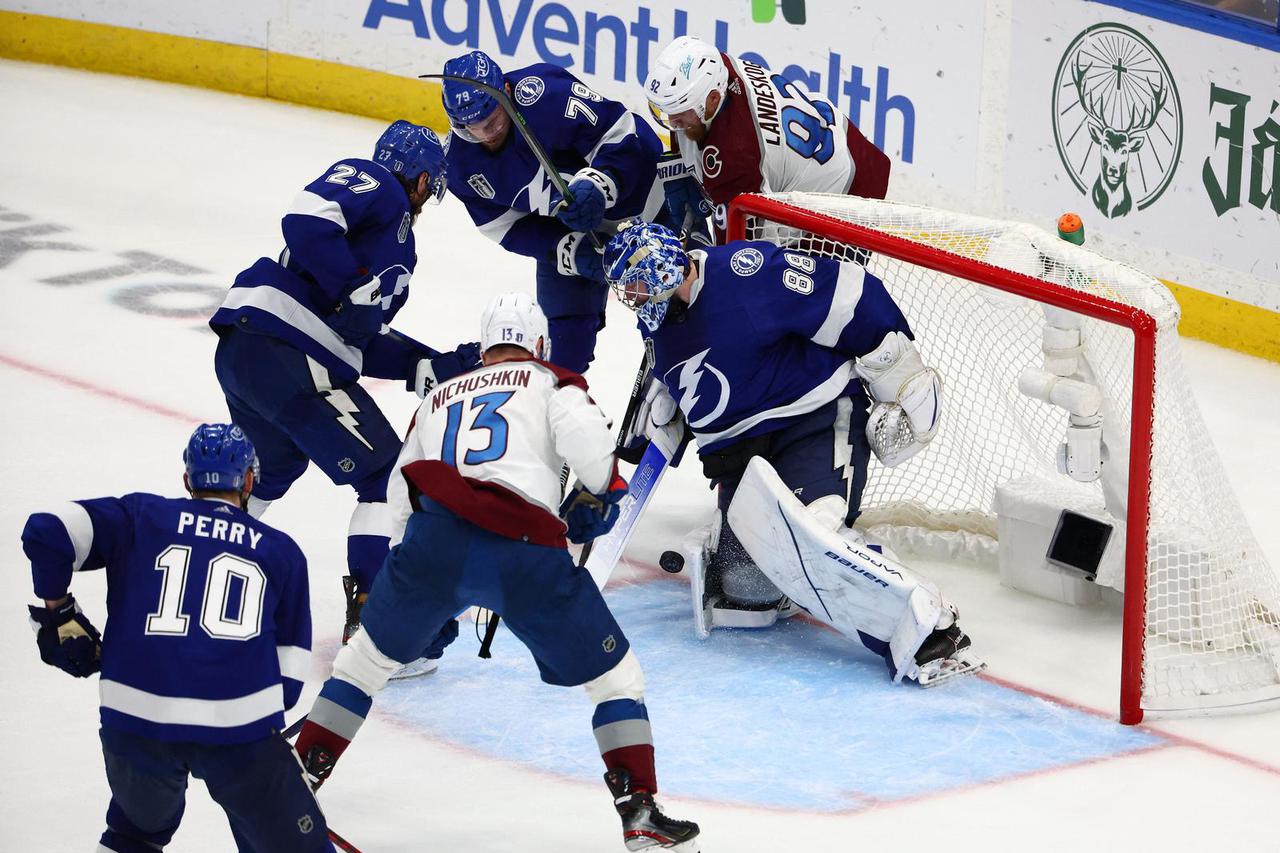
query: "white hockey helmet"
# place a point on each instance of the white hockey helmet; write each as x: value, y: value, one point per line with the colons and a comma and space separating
x: 514, y: 319
x: 683, y: 75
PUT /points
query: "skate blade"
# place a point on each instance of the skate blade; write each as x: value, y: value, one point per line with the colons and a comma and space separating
x: 415, y: 669
x: 690, y: 846
x: 937, y: 672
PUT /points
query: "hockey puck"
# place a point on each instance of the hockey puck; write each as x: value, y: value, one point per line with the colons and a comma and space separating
x: 671, y: 561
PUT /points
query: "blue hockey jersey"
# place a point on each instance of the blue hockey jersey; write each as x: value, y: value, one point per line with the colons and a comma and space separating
x: 770, y: 335
x: 208, y: 628
x: 510, y: 196
x: 352, y: 221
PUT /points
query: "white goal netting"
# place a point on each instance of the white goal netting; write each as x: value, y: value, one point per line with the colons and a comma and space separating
x: 1211, y: 638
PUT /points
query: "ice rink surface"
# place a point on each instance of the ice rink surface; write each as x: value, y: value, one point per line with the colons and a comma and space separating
x: 127, y: 206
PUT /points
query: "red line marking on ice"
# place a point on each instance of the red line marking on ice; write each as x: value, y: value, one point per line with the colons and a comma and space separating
x: 107, y: 393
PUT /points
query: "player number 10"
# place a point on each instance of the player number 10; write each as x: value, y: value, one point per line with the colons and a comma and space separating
x: 223, y: 570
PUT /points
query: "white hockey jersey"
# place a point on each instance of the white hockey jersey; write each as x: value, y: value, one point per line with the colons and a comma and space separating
x: 489, y: 445
x: 772, y: 135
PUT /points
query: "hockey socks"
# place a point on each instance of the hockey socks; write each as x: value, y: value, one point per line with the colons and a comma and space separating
x: 336, y: 716
x: 626, y: 741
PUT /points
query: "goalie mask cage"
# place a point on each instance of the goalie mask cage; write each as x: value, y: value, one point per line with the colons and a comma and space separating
x: 1201, y: 615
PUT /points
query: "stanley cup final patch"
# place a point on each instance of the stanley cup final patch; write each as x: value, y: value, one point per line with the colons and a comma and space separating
x: 481, y: 185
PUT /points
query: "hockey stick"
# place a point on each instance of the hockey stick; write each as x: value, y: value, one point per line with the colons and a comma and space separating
x: 342, y: 843
x: 509, y: 107
x: 603, y: 557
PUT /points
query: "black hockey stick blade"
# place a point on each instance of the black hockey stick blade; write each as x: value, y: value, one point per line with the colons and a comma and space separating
x: 509, y: 107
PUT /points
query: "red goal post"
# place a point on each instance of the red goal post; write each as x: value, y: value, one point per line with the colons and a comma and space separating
x: 905, y: 241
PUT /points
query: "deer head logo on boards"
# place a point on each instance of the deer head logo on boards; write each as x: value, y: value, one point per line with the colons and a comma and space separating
x: 1117, y: 119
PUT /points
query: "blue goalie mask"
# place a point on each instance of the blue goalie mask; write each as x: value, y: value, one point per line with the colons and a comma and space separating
x: 409, y: 150
x: 218, y: 456
x: 644, y: 264
x: 466, y: 104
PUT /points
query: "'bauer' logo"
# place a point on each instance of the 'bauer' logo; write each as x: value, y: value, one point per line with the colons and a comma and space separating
x: 1115, y: 105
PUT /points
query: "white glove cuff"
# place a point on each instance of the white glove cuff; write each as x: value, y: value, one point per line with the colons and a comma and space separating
x: 567, y: 253
x: 366, y: 294
x: 602, y: 181
x: 424, y: 378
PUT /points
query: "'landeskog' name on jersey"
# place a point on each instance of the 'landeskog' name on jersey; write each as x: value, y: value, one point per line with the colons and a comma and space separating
x: 770, y: 334
x: 208, y: 632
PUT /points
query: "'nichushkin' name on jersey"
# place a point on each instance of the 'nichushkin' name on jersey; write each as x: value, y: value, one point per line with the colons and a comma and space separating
x: 516, y: 377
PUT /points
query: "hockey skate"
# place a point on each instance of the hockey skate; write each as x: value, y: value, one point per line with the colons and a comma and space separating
x: 945, y: 655
x: 355, y: 603
x: 644, y: 826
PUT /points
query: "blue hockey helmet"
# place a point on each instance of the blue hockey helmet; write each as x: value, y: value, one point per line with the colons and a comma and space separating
x: 468, y: 104
x: 218, y: 456
x: 409, y: 149
x: 644, y: 264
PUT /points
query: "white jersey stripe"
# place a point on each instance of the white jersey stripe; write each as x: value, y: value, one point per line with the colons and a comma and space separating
x: 370, y: 518
x: 295, y: 662
x: 843, y: 304
x: 292, y: 312
x: 75, y: 519
x: 307, y: 203
x: 816, y: 398
x: 184, y: 711
x: 496, y: 229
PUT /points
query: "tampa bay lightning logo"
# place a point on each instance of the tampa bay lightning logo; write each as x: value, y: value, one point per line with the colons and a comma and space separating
x: 690, y: 373
x: 746, y: 261
x: 529, y: 90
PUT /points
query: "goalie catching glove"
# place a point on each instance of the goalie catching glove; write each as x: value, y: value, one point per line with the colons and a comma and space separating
x: 589, y: 515
x: 907, y: 399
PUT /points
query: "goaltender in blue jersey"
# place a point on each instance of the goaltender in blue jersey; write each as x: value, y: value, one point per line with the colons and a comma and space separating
x: 608, y: 156
x: 297, y: 332
x: 207, y: 642
x: 790, y: 370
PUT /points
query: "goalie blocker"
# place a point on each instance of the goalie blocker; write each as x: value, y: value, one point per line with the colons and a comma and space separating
x: 854, y: 587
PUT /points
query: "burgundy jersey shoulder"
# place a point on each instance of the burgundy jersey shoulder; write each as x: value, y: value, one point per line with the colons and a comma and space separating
x: 731, y: 153
x: 564, y: 377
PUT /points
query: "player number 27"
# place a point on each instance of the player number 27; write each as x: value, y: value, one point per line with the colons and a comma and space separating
x: 228, y: 578
x: 484, y: 410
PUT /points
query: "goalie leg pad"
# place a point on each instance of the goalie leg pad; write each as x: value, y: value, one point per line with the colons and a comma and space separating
x: 841, y: 582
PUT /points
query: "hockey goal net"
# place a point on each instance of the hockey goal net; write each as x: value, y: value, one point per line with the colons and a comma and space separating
x: 1201, y: 628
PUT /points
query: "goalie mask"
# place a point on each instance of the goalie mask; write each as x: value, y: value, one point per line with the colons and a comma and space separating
x: 514, y: 319
x: 644, y: 264
x: 683, y: 75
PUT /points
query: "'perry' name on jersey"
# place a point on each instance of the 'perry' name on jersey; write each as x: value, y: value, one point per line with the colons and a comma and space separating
x: 517, y: 378
x: 218, y: 528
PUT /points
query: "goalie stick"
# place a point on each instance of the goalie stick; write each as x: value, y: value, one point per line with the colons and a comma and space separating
x: 509, y: 107
x: 605, y: 551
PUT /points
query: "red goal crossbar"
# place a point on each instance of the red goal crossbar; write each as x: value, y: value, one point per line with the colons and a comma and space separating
x: 1140, y: 323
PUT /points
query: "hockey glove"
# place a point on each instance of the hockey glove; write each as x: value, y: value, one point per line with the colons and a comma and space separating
x: 589, y: 515
x: 687, y: 206
x: 576, y: 254
x: 906, y: 399
x: 358, y: 317
x: 430, y: 372
x: 67, y: 639
x: 657, y: 413
x: 590, y: 192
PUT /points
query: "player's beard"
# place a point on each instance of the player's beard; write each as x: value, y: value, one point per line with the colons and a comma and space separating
x: 696, y: 133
